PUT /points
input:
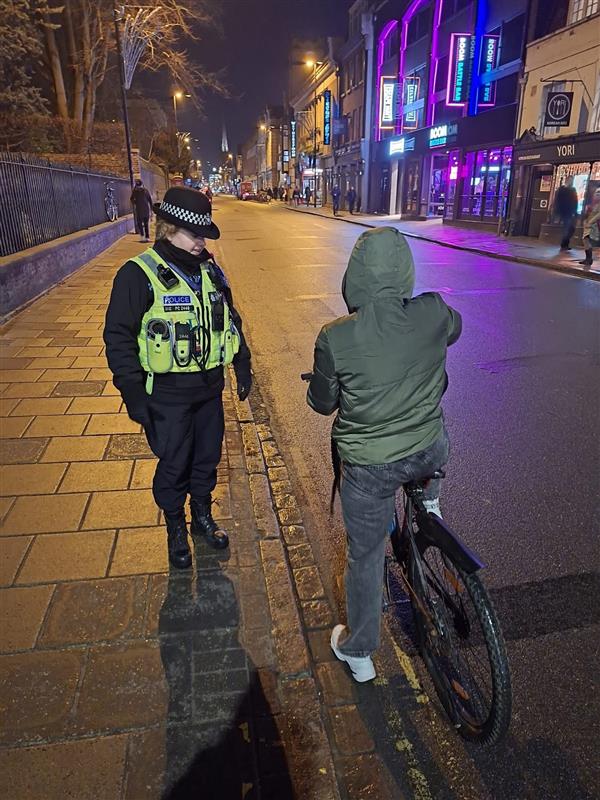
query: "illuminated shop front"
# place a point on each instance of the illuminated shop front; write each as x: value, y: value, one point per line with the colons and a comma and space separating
x: 541, y: 167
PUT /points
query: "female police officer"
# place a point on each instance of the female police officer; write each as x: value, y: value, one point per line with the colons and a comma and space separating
x: 170, y: 329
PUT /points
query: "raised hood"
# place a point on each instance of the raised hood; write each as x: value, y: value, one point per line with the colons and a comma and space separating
x: 380, y: 266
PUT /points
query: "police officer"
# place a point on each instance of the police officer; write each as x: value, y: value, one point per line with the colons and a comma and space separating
x: 171, y: 327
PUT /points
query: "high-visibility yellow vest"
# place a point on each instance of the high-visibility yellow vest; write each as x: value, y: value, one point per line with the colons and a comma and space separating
x: 185, y: 329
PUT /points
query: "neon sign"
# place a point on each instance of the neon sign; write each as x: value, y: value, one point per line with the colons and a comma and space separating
x: 489, y: 59
x: 397, y: 146
x: 412, y: 90
x: 387, y: 102
x: 293, y: 138
x: 459, y: 69
x: 327, y: 117
x: 440, y: 135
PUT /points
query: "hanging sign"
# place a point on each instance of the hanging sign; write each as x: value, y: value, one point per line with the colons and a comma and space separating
x: 412, y: 89
x: 387, y: 102
x: 327, y: 117
x: 293, y: 138
x: 489, y: 62
x: 460, y: 68
x: 558, y: 109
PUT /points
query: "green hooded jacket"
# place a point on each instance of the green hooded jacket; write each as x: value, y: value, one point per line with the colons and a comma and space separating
x: 383, y: 367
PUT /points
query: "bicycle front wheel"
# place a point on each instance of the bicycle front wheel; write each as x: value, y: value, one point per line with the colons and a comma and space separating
x: 462, y: 645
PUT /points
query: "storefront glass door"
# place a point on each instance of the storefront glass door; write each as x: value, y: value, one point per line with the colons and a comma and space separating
x: 410, y: 201
x: 438, y: 186
x: 485, y: 181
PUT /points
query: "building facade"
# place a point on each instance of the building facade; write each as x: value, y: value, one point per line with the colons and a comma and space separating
x: 446, y: 88
x: 559, y: 120
x: 314, y: 108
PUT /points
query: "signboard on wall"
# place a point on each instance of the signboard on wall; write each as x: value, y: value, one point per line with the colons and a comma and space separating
x: 412, y: 90
x: 489, y: 62
x: 327, y: 117
x: 293, y: 138
x: 558, y: 109
x: 387, y: 102
x: 460, y: 68
x: 441, y: 135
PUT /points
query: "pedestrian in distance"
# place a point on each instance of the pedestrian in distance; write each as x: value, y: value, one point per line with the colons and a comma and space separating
x: 270, y: 192
x: 307, y: 195
x: 382, y: 368
x: 296, y: 196
x: 171, y: 328
x: 335, y: 199
x: 565, y: 208
x: 141, y: 200
x: 351, y: 199
x: 591, y: 230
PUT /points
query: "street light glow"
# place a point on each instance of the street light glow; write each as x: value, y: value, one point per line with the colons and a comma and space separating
x: 309, y: 62
x: 178, y: 95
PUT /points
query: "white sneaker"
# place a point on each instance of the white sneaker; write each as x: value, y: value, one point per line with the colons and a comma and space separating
x: 362, y: 668
x: 433, y: 507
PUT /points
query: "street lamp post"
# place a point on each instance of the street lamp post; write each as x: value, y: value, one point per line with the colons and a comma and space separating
x: 123, y: 92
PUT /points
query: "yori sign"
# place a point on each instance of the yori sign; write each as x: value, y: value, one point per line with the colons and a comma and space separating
x: 489, y: 62
x: 460, y: 68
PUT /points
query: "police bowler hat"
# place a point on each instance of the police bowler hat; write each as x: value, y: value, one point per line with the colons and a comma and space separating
x: 189, y: 209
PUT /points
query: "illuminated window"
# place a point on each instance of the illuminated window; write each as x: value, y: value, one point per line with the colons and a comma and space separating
x: 580, y: 9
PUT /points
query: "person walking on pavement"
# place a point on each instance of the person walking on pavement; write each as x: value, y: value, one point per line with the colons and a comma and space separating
x: 591, y: 230
x: 383, y: 369
x: 171, y: 327
x: 351, y: 199
x: 307, y: 195
x: 141, y: 201
x: 335, y: 197
x: 296, y: 196
x: 565, y: 207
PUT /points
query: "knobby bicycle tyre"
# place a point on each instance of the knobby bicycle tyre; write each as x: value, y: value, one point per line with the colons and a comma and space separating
x: 449, y: 691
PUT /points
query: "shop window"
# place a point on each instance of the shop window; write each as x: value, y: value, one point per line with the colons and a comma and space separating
x: 452, y: 182
x: 441, y: 75
x: 392, y: 44
x: 581, y: 9
x: 511, y: 40
x: 419, y: 26
x: 485, y: 178
x: 507, y: 90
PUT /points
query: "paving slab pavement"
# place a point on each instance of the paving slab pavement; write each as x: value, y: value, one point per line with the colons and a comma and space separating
x: 119, y: 677
x: 522, y: 249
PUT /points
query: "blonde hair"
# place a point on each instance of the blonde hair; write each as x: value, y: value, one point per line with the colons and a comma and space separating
x: 164, y: 229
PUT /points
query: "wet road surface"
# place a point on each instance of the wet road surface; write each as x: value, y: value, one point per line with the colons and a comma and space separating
x: 523, y: 487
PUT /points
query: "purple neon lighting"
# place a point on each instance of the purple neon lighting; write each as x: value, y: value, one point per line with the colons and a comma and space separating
x: 385, y: 32
x: 453, y: 37
x: 407, y: 17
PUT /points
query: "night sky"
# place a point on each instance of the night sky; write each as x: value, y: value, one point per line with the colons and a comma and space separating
x: 254, y: 52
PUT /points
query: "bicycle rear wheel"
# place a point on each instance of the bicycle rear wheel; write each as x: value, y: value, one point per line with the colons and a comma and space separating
x: 462, y: 645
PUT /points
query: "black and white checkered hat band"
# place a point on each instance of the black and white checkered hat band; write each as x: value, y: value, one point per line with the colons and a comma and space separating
x: 186, y: 216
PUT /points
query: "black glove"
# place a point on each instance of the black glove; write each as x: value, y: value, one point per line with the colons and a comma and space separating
x: 137, y: 404
x: 243, y: 377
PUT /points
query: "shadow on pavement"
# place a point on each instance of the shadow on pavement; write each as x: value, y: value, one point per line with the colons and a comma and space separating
x: 222, y: 739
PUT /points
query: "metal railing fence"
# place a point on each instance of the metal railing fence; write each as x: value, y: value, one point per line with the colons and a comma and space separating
x: 40, y: 201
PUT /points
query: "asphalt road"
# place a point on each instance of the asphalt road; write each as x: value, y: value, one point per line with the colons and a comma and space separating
x: 523, y: 486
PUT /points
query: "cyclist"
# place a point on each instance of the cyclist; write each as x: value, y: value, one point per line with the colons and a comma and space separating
x: 382, y: 368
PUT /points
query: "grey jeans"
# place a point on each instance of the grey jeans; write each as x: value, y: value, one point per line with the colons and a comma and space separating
x: 368, y: 494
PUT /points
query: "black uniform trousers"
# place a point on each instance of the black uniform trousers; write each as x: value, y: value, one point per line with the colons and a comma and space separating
x: 187, y: 436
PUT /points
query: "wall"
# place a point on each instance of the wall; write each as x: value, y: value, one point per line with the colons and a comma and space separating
x: 572, y: 53
x: 25, y: 275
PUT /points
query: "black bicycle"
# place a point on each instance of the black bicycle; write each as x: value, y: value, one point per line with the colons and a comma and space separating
x: 110, y: 202
x: 457, y: 629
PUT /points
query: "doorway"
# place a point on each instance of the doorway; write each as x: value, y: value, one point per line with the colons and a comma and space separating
x: 539, y: 206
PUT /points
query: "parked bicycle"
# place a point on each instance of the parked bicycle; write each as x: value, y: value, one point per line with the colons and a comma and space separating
x: 457, y: 629
x: 110, y: 202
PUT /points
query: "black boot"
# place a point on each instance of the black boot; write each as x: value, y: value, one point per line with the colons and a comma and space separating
x: 203, y: 524
x: 180, y: 554
x: 588, y: 260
